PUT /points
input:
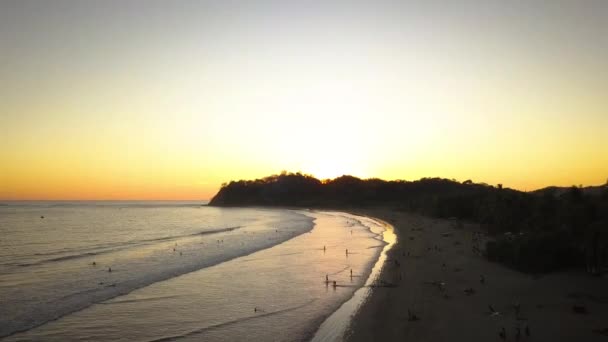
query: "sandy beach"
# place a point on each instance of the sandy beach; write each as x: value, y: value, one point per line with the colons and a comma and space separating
x: 454, y: 294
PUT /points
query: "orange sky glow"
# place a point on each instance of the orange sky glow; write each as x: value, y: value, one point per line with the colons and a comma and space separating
x: 114, y: 100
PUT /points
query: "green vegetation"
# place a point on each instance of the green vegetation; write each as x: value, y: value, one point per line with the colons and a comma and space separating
x: 540, y: 231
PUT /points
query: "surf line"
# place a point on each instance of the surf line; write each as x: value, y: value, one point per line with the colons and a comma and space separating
x: 335, y: 326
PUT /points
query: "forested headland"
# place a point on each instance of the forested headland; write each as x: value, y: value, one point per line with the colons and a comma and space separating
x: 540, y: 231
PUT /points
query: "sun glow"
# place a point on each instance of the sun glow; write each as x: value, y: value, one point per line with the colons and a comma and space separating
x: 220, y: 94
x: 333, y: 167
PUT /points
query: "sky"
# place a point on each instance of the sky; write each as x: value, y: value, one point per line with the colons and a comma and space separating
x: 169, y: 99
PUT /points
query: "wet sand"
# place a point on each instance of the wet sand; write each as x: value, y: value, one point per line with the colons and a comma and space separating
x: 430, y: 267
x: 337, y: 324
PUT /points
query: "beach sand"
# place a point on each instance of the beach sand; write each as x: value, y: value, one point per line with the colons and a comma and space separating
x: 432, y: 251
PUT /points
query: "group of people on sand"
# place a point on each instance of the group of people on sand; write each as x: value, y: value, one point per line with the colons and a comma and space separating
x: 520, y: 332
x: 334, y: 283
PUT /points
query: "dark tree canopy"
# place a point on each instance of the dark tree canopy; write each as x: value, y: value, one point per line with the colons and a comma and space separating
x: 566, y: 224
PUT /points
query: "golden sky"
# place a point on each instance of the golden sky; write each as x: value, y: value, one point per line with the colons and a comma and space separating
x: 169, y: 99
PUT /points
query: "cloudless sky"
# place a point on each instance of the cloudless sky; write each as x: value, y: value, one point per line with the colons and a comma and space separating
x: 169, y: 99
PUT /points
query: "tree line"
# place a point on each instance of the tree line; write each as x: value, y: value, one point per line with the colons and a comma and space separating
x: 538, y: 231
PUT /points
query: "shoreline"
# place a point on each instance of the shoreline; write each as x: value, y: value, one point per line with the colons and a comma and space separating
x: 438, y: 279
x: 335, y: 326
x: 291, y: 312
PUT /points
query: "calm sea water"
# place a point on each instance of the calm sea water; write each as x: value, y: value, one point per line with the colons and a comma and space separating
x: 150, y: 271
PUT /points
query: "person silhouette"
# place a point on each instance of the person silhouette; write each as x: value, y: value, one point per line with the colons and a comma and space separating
x: 503, y: 334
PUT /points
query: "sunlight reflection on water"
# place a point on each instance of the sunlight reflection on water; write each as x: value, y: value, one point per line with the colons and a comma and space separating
x: 277, y: 293
x: 335, y: 326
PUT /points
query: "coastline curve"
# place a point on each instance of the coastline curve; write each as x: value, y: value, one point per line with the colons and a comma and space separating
x: 336, y: 325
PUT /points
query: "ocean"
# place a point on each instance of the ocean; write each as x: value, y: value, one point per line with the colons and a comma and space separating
x: 164, y: 271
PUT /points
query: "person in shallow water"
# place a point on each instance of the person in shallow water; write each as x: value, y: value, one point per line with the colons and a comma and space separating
x: 502, y: 334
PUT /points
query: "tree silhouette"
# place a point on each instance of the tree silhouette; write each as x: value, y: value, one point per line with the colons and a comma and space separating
x: 549, y: 228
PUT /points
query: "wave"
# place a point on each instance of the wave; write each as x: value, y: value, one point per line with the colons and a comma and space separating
x: 100, y: 293
x: 138, y: 300
x: 228, y: 323
x: 114, y: 247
